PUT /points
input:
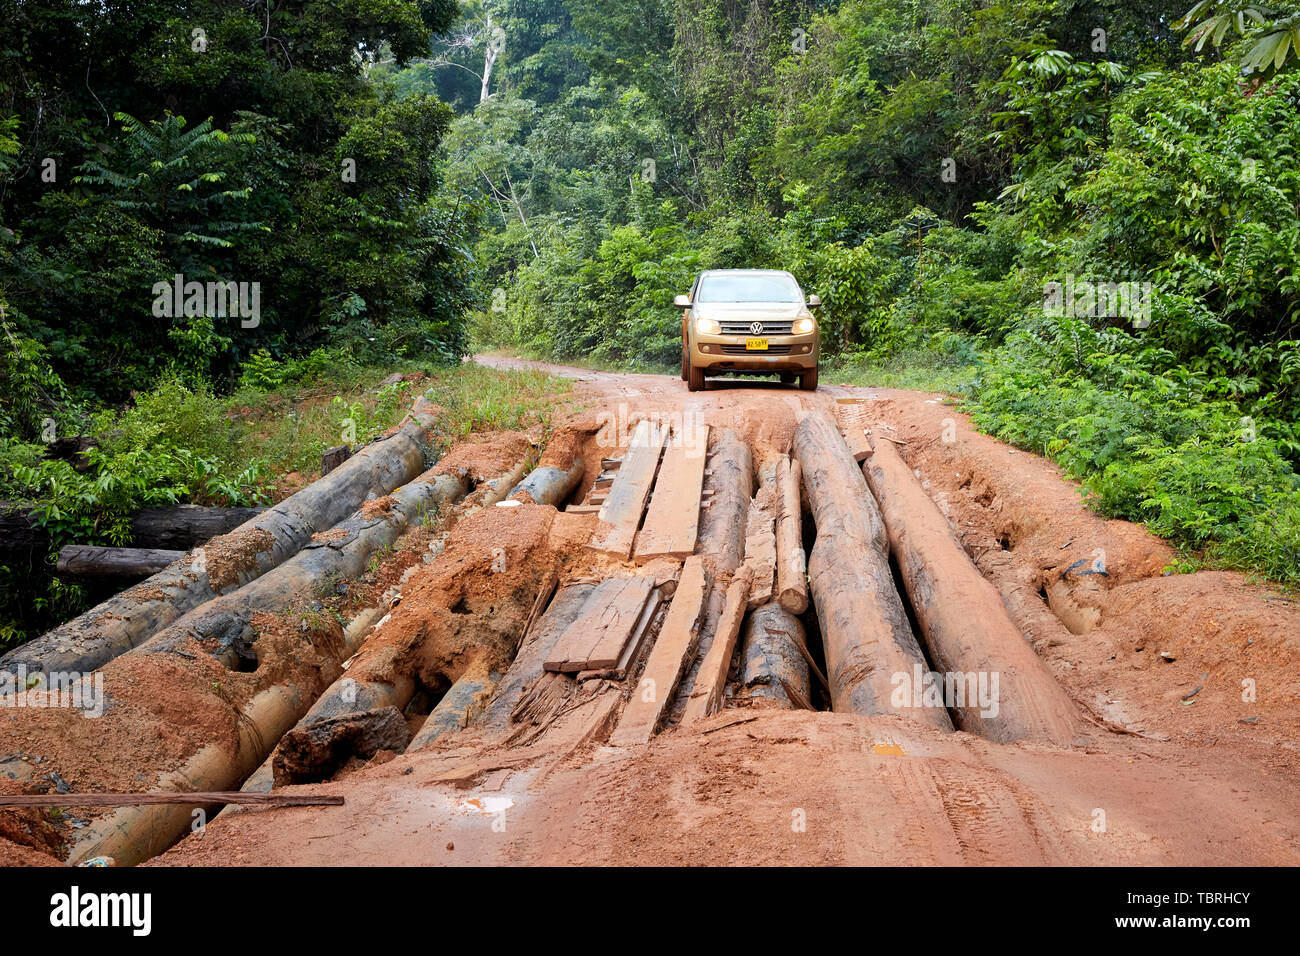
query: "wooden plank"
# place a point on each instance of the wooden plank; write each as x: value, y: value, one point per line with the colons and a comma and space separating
x: 595, y: 640
x: 630, y: 649
x: 620, y: 516
x: 163, y: 797
x: 620, y: 623
x: 585, y: 509
x: 672, y: 651
x: 639, y: 634
x: 672, y: 523
x: 576, y: 639
x: 760, y: 536
x: 711, y: 681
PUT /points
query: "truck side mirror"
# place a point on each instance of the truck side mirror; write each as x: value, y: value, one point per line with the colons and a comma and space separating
x: 682, y: 302
x: 814, y: 301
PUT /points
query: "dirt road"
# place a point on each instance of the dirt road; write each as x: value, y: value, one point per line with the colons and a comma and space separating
x: 1187, y: 686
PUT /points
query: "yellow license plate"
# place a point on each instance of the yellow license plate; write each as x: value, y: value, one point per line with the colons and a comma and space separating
x: 756, y: 345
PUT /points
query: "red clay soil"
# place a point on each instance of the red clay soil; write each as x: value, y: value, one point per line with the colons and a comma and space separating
x: 161, y: 708
x: 1176, y: 768
x: 483, y: 455
x: 463, y: 609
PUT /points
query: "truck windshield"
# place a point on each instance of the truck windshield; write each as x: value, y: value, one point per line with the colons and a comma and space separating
x: 748, y: 288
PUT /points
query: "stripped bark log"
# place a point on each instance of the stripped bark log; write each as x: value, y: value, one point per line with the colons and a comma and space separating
x: 223, y: 628
x: 994, y: 683
x: 791, y: 563
x: 548, y: 485
x: 232, y: 560
x: 460, y: 705
x: 352, y: 694
x: 865, y: 631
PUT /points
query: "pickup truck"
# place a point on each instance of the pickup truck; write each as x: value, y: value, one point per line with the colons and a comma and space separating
x: 748, y: 322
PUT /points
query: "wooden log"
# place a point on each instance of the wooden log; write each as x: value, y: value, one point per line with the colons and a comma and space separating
x: 791, y: 563
x: 89, y: 561
x: 760, y: 536
x: 993, y: 682
x: 460, y: 705
x: 668, y: 658
x: 223, y: 628
x: 333, y: 457
x: 222, y: 624
x: 672, y: 522
x: 169, y: 528
x: 773, y: 665
x: 232, y: 560
x: 156, y: 798
x: 345, y: 695
x: 729, y: 476
x: 548, y: 485
x: 865, y: 631
x: 711, y: 681
x: 181, y: 527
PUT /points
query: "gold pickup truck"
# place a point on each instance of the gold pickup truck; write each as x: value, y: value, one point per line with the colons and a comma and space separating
x: 748, y: 322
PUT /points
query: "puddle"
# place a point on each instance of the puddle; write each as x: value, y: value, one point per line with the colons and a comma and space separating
x: 486, y: 804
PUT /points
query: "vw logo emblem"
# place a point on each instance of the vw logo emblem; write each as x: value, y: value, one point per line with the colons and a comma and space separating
x: 756, y: 327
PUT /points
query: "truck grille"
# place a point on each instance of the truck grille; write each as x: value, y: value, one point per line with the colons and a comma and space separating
x: 741, y: 350
x: 744, y: 328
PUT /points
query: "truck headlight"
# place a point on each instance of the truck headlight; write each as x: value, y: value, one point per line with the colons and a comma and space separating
x: 803, y: 326
x: 708, y: 327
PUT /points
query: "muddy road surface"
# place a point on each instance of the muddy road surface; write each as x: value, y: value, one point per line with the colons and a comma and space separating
x: 574, y: 694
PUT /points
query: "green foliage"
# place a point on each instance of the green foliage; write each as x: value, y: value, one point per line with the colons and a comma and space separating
x: 928, y: 168
x: 1150, y: 441
x: 1270, y: 37
x: 254, y: 184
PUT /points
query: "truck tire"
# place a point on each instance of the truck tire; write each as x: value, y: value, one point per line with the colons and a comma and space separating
x: 686, y: 363
x: 695, y: 380
x: 808, y: 380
